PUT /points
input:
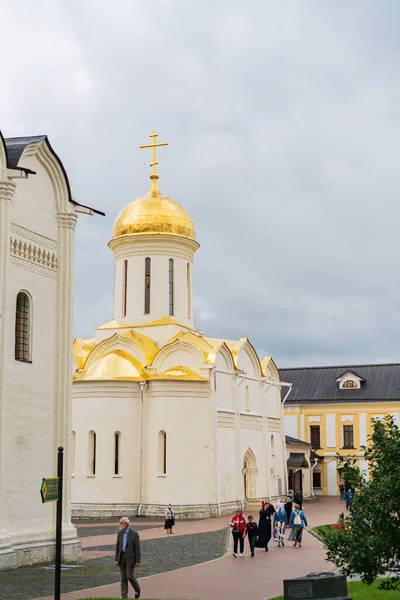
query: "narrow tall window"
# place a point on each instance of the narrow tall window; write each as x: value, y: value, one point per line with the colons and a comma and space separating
x: 171, y: 286
x: 124, y: 287
x: 73, y: 452
x: 162, y: 453
x: 272, y: 446
x: 315, y: 436
x: 92, y: 453
x: 247, y: 398
x: 189, y: 291
x: 348, y: 436
x: 22, y: 327
x: 117, y: 441
x: 147, y: 281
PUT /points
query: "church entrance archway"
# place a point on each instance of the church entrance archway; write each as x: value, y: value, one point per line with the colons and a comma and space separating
x: 250, y: 476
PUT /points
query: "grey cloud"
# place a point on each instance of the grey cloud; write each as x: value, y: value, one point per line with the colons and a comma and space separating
x: 283, y: 126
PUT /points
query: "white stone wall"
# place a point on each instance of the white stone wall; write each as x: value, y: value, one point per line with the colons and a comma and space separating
x: 35, y: 405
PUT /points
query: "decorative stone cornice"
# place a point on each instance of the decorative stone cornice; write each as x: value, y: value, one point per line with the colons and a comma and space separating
x: 32, y: 236
x: 67, y: 220
x: 7, y: 189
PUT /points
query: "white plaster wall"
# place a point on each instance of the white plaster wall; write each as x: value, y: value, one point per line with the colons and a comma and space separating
x: 291, y: 426
x: 106, y: 411
x: 29, y: 405
x: 227, y: 464
x: 184, y: 411
x: 364, y: 468
x: 330, y: 431
x: 363, y: 428
x: 332, y: 483
x: 225, y: 392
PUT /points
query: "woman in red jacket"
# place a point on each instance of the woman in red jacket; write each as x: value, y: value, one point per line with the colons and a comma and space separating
x: 238, y: 525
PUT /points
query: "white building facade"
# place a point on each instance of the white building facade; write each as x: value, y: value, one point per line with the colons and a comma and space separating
x: 161, y: 412
x: 37, y: 223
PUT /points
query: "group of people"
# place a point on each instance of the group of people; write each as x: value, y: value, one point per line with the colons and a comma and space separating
x: 346, y: 493
x: 272, y: 523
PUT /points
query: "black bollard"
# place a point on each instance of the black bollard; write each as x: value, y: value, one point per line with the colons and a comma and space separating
x: 60, y: 467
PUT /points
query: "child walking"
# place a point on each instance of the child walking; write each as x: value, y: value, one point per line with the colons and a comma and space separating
x: 252, y: 531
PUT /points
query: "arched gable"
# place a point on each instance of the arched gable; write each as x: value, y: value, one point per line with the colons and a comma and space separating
x: 117, y: 364
x: 179, y: 352
x: 224, y: 359
x: 247, y: 358
x: 115, y: 343
x: 41, y: 149
x: 81, y: 349
x: 270, y: 369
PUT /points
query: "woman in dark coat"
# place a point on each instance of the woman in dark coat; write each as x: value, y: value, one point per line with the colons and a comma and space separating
x: 288, y: 508
x: 265, y: 525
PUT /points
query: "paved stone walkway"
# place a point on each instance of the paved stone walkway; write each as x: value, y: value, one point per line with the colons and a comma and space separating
x: 257, y: 578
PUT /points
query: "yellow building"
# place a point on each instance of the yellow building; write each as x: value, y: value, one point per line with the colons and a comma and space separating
x: 333, y: 407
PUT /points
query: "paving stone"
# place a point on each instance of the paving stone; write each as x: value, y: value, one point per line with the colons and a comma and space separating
x: 158, y: 556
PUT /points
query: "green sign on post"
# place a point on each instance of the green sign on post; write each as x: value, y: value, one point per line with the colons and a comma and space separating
x: 49, y: 489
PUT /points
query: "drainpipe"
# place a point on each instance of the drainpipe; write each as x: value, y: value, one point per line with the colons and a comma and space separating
x: 143, y: 386
x: 312, y: 476
x: 242, y: 498
x: 213, y: 382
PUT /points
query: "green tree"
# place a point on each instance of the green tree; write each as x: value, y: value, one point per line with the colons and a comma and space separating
x: 368, y: 545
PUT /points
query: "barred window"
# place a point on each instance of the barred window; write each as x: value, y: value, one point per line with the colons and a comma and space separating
x: 171, y: 286
x: 124, y: 287
x: 315, y: 436
x: 162, y: 453
x: 91, y: 469
x: 147, y: 281
x: 189, y: 290
x: 350, y: 384
x: 117, y: 440
x: 22, y: 328
x: 348, y: 436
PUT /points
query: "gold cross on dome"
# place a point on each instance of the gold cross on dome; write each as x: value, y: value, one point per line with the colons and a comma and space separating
x: 154, y: 175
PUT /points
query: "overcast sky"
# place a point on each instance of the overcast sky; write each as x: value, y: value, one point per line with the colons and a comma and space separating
x: 283, y: 123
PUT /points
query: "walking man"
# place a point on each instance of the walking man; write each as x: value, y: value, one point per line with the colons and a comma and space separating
x: 127, y: 556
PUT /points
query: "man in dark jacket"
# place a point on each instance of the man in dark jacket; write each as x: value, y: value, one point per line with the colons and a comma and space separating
x: 127, y: 556
x: 298, y: 498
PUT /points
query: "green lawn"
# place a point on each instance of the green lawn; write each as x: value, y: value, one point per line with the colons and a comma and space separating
x: 359, y: 591
x: 321, y: 530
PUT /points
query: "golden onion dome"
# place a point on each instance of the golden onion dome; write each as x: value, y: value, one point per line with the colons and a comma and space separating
x: 154, y: 213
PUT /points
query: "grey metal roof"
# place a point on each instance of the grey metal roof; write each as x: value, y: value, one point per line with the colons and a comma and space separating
x: 318, y: 384
x: 291, y: 440
x: 14, y: 148
x: 297, y: 459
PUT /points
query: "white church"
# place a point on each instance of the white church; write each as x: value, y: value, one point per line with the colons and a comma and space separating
x: 37, y: 228
x: 161, y: 411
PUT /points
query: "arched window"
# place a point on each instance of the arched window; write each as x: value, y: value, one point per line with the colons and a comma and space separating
x: 147, y: 282
x: 189, y: 290
x: 247, y: 398
x: 349, y: 384
x: 124, y: 287
x: 117, y: 444
x: 162, y: 453
x: 92, y: 453
x: 73, y: 452
x: 171, y: 286
x: 22, y: 328
x: 272, y: 446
